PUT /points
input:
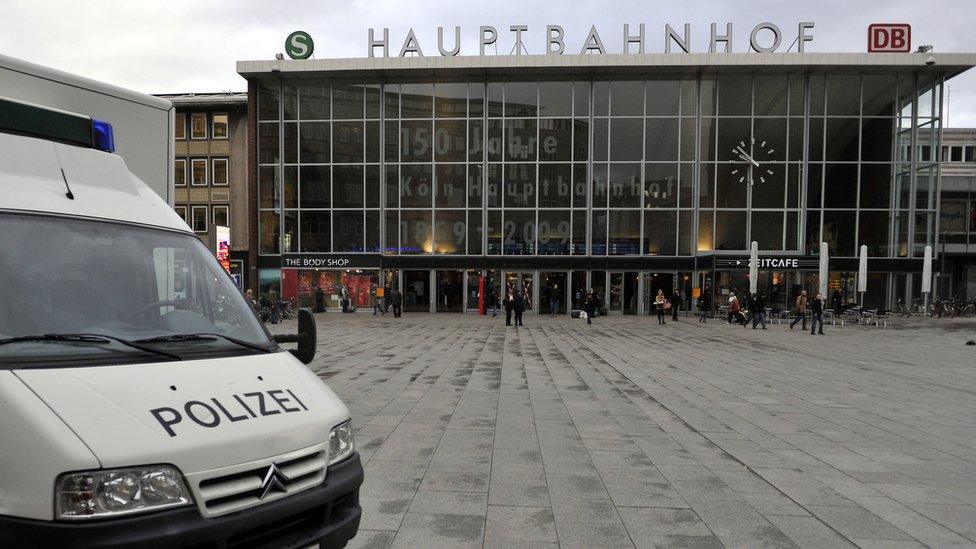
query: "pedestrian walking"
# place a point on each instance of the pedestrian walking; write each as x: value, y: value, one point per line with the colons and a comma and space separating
x: 554, y: 299
x: 319, y: 299
x: 661, y: 306
x: 493, y: 302
x: 509, y: 304
x: 396, y: 299
x: 704, y: 304
x: 274, y: 303
x: 589, y: 306
x: 816, y: 314
x: 675, y: 304
x: 378, y: 301
x: 735, y: 310
x: 801, y: 310
x: 758, y: 310
x: 521, y: 302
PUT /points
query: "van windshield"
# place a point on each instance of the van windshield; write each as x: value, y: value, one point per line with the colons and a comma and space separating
x: 73, y: 276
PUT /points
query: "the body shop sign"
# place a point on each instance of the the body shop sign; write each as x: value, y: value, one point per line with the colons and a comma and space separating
x: 223, y: 246
x: 330, y: 261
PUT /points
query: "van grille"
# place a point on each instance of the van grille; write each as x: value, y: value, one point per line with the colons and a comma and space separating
x: 238, y: 488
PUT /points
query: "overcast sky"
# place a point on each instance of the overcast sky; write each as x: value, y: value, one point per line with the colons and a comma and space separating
x: 192, y: 45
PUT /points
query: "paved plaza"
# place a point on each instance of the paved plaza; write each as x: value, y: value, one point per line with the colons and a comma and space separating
x: 626, y: 433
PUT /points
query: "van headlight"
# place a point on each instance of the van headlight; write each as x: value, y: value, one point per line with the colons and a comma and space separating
x: 113, y: 492
x: 341, y: 443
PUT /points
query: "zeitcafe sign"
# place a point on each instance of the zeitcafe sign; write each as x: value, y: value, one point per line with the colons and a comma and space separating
x: 765, y: 37
x: 779, y: 262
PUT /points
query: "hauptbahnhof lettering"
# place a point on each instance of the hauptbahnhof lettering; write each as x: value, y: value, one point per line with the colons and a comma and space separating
x: 448, y: 176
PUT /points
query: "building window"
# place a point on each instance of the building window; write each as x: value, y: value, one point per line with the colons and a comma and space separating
x: 219, y: 130
x: 199, y: 169
x: 179, y: 169
x: 219, y: 171
x: 199, y: 218
x: 180, y: 126
x: 957, y: 154
x: 970, y: 154
x: 198, y: 125
x: 180, y: 211
x: 221, y: 216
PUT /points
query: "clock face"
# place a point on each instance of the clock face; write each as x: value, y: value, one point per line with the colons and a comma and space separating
x: 751, y: 160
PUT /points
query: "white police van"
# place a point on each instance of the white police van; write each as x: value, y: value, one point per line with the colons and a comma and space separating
x: 141, y: 401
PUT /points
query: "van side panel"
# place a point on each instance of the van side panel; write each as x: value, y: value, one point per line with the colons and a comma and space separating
x: 35, y: 447
x: 142, y: 123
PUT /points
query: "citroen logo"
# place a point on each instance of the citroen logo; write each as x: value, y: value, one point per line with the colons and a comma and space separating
x: 273, y: 480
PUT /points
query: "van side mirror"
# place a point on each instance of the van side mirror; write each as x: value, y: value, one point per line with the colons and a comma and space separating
x: 306, y: 337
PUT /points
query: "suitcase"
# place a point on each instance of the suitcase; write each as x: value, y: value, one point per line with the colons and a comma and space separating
x: 575, y: 313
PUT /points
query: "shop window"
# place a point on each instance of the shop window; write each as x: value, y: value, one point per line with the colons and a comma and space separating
x: 219, y: 129
x: 180, y: 126
x: 221, y: 216
x: 219, y: 166
x: 198, y: 125
x: 179, y: 172
x: 199, y: 218
x: 198, y: 167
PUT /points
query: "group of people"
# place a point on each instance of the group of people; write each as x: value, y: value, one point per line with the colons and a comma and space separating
x: 662, y: 305
x: 388, y: 298
x: 756, y: 306
x: 515, y: 302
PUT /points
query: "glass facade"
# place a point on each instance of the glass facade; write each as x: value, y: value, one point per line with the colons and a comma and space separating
x: 644, y: 167
x: 601, y: 166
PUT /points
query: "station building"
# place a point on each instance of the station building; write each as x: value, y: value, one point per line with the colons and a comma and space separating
x: 451, y: 176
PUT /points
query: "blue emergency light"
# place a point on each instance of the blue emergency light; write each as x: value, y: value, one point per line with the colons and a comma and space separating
x: 102, y: 137
x: 45, y: 123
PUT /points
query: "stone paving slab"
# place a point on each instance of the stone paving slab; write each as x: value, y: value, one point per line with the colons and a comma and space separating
x: 630, y: 434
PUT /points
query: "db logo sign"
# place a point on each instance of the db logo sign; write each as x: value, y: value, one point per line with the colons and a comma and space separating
x: 889, y: 37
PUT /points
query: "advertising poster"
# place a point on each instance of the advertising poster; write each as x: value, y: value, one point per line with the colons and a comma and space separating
x: 223, y: 246
x: 358, y: 286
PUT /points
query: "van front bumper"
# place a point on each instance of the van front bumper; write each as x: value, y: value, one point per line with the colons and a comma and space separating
x: 327, y: 514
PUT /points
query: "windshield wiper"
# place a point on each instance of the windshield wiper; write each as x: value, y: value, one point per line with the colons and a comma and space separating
x: 89, y: 338
x: 204, y: 336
